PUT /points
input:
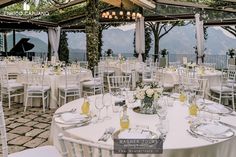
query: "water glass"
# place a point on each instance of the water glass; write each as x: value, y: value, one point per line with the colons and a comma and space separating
x: 107, y: 101
x: 99, y: 106
x: 163, y: 127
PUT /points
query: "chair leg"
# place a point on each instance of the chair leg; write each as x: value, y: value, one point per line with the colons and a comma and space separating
x: 26, y: 102
x: 48, y: 98
x: 9, y: 99
x: 65, y: 98
x: 233, y: 105
x: 43, y: 102
x: 59, y: 97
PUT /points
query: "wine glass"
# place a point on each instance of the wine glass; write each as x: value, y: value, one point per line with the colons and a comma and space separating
x: 107, y: 101
x: 99, y: 106
x: 163, y: 128
x: 161, y: 108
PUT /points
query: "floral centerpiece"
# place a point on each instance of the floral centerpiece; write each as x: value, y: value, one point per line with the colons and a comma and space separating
x: 147, y: 94
x: 121, y: 58
x: 57, y: 68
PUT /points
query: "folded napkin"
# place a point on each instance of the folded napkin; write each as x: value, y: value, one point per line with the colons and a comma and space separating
x: 212, y: 129
x: 73, y: 117
x: 134, y: 134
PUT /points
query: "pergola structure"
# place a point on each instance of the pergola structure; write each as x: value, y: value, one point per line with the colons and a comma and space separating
x: 86, y: 14
x: 162, y: 12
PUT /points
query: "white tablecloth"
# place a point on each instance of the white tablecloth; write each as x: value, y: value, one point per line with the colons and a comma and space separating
x: 213, y: 77
x: 178, y: 142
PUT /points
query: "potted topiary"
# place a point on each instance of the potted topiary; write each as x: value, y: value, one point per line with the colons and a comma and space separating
x: 163, y: 59
x: 231, y: 53
x: 164, y: 52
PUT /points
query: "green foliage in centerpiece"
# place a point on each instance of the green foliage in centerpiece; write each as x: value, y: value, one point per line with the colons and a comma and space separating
x: 148, y: 94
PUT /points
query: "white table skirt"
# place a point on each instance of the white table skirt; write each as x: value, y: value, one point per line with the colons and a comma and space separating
x: 171, y: 77
x: 177, y: 144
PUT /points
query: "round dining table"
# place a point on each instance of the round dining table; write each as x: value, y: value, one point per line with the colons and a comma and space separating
x: 178, y: 142
x: 54, y: 79
x: 170, y: 75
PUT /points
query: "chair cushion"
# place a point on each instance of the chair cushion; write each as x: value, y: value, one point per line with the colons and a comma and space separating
x: 217, y: 89
x: 149, y: 80
x: 92, y: 83
x: 69, y: 87
x: 45, y: 151
x: 109, y: 71
x: 13, y: 85
x: 37, y: 88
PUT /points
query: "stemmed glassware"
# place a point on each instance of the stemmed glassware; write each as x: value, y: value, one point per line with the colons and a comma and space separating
x: 161, y: 109
x: 99, y: 106
x: 107, y: 101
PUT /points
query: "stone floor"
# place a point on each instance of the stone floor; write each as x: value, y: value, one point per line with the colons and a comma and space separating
x: 26, y: 129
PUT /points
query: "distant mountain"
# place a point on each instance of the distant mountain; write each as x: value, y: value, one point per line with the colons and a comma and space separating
x: 178, y: 40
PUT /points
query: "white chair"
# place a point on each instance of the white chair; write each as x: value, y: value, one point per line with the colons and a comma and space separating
x: 37, y: 86
x: 80, y: 148
x: 96, y: 84
x: 224, y: 91
x: 45, y: 151
x: 148, y: 75
x: 117, y: 82
x: 69, y: 86
x: 127, y: 68
x: 197, y: 85
x: 159, y: 77
x: 231, y: 67
x: 9, y: 88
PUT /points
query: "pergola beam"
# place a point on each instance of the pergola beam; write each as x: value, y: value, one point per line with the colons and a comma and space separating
x: 75, y: 2
x: 193, y: 5
x: 4, y: 3
x: 234, y: 1
x: 18, y: 20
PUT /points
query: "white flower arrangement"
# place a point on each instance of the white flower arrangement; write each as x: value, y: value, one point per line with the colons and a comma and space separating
x: 148, y: 92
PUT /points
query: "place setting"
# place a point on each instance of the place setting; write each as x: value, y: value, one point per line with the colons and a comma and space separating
x: 205, y: 120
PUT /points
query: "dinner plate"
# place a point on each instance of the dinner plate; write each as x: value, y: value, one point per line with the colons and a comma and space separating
x: 212, y: 130
x: 72, y: 118
x: 216, y: 108
x: 134, y: 133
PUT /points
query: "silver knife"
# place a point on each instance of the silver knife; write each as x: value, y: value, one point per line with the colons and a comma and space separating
x: 202, y: 137
x: 228, y: 125
x: 75, y: 126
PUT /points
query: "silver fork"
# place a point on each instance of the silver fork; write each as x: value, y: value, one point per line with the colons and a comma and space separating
x: 108, y: 132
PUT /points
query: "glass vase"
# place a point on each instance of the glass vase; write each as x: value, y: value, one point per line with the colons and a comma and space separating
x: 147, y: 107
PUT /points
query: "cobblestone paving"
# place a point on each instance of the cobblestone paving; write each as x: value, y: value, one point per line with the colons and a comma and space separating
x: 26, y: 129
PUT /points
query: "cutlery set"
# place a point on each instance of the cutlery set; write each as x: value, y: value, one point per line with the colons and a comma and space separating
x: 107, y: 134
